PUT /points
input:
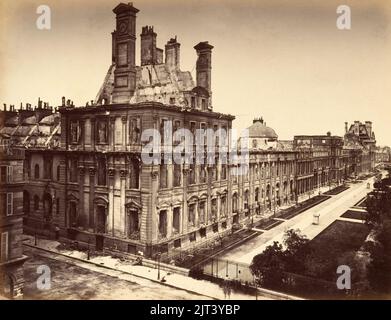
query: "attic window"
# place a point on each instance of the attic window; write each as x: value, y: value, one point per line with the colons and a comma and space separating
x: 172, y: 100
x: 203, y: 104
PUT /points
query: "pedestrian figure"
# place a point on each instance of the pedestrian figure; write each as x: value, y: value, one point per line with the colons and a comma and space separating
x: 57, y: 232
x: 227, y: 288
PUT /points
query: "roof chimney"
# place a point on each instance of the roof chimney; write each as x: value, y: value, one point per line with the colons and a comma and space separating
x: 204, y: 65
x: 148, y: 46
x: 173, y: 54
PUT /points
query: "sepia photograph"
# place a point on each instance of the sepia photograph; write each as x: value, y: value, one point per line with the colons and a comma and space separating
x: 167, y: 150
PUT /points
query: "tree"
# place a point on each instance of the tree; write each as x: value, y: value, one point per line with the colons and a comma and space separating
x: 379, y: 269
x: 269, y: 266
x: 297, y: 251
x: 378, y: 205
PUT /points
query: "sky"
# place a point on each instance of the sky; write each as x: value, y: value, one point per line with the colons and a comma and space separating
x: 283, y: 60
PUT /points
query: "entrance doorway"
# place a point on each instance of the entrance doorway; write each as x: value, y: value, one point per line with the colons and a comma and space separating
x: 99, y: 242
x: 101, y: 219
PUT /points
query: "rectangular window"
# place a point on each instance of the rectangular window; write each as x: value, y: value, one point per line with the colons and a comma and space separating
x: 6, y: 174
x: 47, y: 167
x: 176, y: 218
x: 223, y: 172
x: 4, y: 246
x: 203, y: 128
x: 9, y: 174
x: 193, y: 128
x: 163, y: 176
x: 73, y: 171
x: 177, y: 243
x: 215, y: 128
x: 10, y: 204
x: 102, y: 173
x: 3, y: 204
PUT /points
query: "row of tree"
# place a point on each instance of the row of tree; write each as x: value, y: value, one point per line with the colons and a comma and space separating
x: 378, y: 217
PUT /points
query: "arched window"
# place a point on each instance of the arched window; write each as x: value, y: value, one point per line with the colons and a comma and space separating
x: 36, y: 203
x: 58, y: 206
x: 47, y: 167
x: 36, y: 171
x: 26, y: 202
x: 246, y: 198
x: 58, y: 173
x: 235, y: 203
x: 47, y: 206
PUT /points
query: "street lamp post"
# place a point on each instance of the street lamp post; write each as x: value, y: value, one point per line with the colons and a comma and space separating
x: 158, y: 265
x: 88, y: 250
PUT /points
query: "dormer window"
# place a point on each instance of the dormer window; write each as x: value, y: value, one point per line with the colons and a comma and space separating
x: 203, y: 103
x: 193, y: 102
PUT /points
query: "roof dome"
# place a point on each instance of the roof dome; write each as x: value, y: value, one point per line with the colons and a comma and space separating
x: 260, y: 130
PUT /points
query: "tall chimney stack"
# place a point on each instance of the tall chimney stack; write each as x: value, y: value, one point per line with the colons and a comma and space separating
x: 368, y: 125
x: 124, y: 46
x: 148, y: 46
x: 173, y: 54
x: 204, y: 65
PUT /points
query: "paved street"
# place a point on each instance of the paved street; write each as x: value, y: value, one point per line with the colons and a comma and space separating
x: 71, y: 281
x: 329, y: 211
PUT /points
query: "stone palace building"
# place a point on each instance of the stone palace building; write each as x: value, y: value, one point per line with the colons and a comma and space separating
x: 85, y: 179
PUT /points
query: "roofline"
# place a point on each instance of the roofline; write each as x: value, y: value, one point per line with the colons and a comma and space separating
x: 141, y: 106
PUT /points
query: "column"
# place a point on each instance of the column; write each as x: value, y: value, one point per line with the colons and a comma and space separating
x: 185, y: 208
x: 169, y: 221
x: 92, y: 172
x: 218, y: 207
x: 124, y: 132
x: 111, y: 185
x: 82, y: 213
x: 93, y: 133
x: 123, y: 174
x: 170, y: 175
x: 112, y: 133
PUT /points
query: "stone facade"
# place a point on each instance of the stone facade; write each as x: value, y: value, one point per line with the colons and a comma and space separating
x: 11, y: 222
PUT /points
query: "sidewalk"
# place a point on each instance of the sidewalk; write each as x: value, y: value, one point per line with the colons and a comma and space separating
x: 202, y: 287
